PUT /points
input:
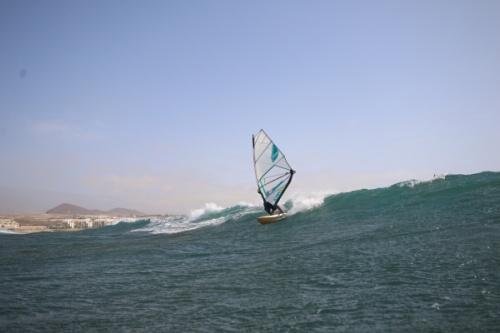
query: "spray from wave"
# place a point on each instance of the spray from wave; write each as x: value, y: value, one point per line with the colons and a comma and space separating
x: 413, y: 182
x: 306, y: 201
x: 212, y: 215
x: 209, y: 216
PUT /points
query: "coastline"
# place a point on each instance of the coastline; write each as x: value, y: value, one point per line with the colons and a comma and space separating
x: 35, y: 223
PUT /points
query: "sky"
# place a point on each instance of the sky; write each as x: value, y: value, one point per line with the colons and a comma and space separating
x: 151, y: 105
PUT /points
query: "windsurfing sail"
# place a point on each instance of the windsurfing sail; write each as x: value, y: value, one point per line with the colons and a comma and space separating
x: 272, y: 170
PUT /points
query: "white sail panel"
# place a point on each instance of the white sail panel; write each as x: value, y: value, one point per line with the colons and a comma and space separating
x: 272, y: 170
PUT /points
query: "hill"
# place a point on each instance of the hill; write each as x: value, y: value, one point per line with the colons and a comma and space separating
x: 69, y: 209
x: 123, y: 212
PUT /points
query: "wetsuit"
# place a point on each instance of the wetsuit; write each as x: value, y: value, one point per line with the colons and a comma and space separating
x: 269, y: 207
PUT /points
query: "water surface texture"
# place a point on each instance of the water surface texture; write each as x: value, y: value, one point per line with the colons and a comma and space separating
x: 412, y: 257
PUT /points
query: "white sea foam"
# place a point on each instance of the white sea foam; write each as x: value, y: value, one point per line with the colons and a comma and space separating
x: 306, y: 201
x: 410, y: 183
x: 413, y: 182
x: 211, y: 214
x: 209, y: 208
x: 4, y: 231
x: 176, y: 224
x: 208, y: 216
x: 245, y: 204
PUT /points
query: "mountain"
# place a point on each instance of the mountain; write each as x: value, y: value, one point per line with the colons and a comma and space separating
x: 69, y: 209
x: 123, y: 212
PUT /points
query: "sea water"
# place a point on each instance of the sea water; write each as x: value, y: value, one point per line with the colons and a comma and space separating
x: 413, y: 257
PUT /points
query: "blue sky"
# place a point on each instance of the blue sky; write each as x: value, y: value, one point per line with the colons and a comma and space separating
x: 152, y: 105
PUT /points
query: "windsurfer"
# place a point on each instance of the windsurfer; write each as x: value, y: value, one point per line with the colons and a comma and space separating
x: 270, y: 208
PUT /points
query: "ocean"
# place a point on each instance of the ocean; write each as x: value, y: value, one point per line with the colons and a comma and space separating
x: 417, y: 256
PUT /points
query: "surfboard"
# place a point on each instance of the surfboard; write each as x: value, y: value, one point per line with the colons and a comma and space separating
x: 272, y: 172
x: 271, y: 218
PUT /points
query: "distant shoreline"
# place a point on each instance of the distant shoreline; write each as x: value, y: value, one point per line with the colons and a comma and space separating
x: 34, y: 223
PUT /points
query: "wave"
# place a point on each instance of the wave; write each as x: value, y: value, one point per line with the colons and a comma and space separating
x: 424, y: 245
x: 120, y: 227
x: 9, y: 232
x: 212, y: 215
x: 300, y: 202
x: 399, y: 201
x: 413, y: 182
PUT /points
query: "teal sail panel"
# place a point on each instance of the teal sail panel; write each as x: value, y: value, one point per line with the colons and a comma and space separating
x: 272, y: 171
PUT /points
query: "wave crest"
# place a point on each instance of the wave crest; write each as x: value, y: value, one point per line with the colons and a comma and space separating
x: 208, y: 216
x: 306, y: 201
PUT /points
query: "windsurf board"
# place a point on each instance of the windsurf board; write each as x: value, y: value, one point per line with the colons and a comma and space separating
x: 271, y: 218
